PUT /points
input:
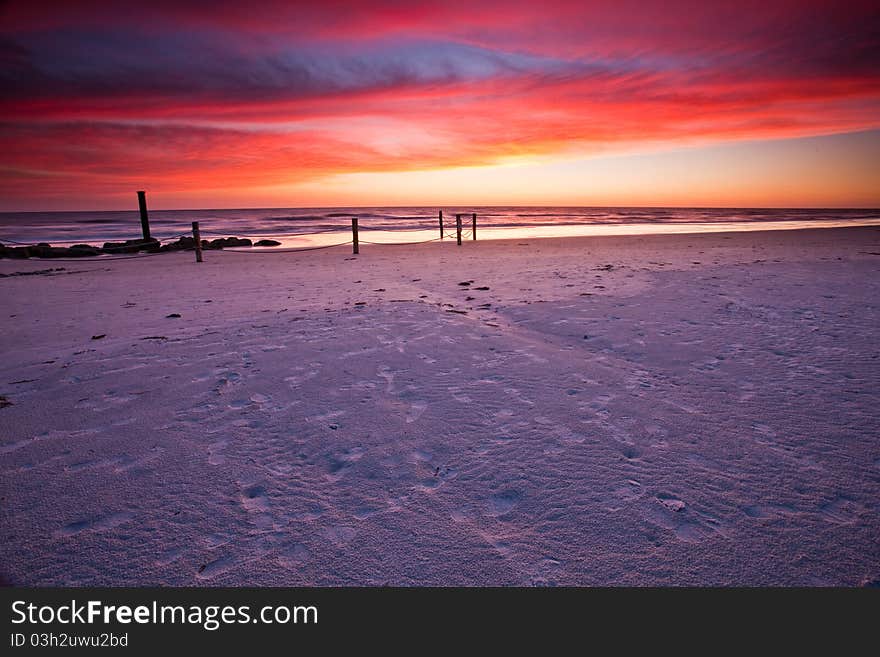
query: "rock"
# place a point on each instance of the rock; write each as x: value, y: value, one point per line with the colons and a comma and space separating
x: 223, y: 242
x: 132, y: 246
x: 83, y: 250
x: 181, y: 244
x: 268, y: 243
x: 76, y: 251
x: 118, y: 247
x: 45, y: 251
x: 41, y: 250
x: 172, y: 316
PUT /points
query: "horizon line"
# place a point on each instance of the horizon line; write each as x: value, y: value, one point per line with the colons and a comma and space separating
x: 443, y: 207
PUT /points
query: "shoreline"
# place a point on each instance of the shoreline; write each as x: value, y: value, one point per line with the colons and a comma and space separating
x: 291, y: 243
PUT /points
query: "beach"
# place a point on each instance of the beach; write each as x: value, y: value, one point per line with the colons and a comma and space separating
x: 681, y: 409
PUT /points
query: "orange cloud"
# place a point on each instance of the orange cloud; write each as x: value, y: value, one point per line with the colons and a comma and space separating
x: 180, y: 99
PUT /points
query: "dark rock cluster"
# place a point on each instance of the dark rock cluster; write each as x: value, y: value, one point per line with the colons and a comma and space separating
x: 44, y: 250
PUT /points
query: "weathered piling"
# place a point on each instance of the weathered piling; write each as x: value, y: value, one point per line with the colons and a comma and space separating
x: 145, y: 219
x: 441, y: 224
x: 458, y: 228
x: 474, y: 228
x: 197, y: 236
x: 354, y: 235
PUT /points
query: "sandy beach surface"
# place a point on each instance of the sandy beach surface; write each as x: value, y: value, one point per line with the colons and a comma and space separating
x: 639, y: 410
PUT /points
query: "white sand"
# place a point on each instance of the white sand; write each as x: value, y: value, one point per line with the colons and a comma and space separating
x: 703, y: 411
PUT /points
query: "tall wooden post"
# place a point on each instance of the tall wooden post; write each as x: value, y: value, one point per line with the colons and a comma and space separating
x: 145, y: 219
x: 458, y: 227
x: 354, y: 235
x: 441, y: 224
x: 198, y: 238
x: 474, y: 229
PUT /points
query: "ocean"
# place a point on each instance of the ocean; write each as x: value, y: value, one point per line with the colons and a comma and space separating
x: 308, y: 226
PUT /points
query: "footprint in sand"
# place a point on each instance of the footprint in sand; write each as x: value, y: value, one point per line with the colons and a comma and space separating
x: 303, y: 375
x: 338, y: 464
x: 108, y: 400
x: 422, y: 455
x: 327, y: 417
x: 416, y: 409
x: 670, y: 512
x: 216, y: 567
x: 386, y: 373
x: 703, y: 463
x: 670, y: 502
x: 8, y: 448
x: 340, y: 535
x: 766, y: 434
x: 504, y: 502
x: 513, y: 392
x: 460, y: 515
x: 768, y: 511
x: 215, y: 455
x: 571, y: 437
x: 95, y: 524
x: 294, y: 556
x: 366, y: 511
x: 629, y: 491
x: 84, y: 465
x: 226, y: 380
x: 841, y: 510
x: 439, y: 476
x: 131, y: 464
x: 254, y: 499
x: 545, y: 572
x: 213, y: 541
x: 311, y: 511
x: 459, y: 396
x: 169, y: 556
x: 530, y: 356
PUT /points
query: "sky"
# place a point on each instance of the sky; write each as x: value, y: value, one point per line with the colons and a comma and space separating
x: 351, y: 103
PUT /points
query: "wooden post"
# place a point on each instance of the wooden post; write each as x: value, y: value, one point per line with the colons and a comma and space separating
x: 198, y: 238
x: 354, y: 235
x: 441, y: 224
x: 474, y: 230
x: 145, y: 219
x: 458, y: 227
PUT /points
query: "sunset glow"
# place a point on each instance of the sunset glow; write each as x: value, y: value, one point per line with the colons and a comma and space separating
x: 351, y: 103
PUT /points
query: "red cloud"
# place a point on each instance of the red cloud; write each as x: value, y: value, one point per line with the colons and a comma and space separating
x: 491, y: 80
